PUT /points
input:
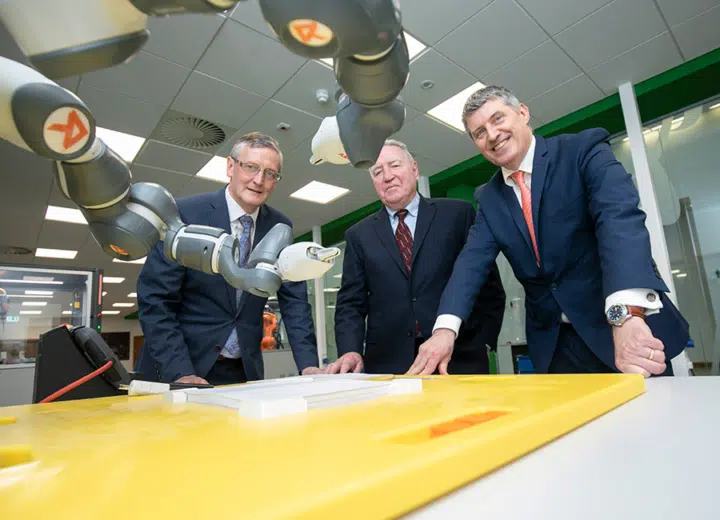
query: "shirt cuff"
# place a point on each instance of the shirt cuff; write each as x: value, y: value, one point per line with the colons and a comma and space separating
x: 448, y: 321
x: 646, y: 298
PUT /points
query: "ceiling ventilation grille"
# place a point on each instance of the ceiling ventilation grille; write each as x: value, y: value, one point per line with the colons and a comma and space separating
x: 192, y: 132
x: 14, y: 250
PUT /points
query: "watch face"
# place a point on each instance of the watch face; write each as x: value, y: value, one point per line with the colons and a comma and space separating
x: 616, y: 313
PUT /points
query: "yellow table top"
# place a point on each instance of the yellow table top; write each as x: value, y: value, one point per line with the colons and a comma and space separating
x: 140, y: 457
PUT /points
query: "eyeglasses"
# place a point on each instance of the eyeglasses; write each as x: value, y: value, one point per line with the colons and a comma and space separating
x: 253, y: 169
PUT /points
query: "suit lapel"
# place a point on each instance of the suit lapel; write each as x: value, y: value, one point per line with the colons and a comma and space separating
x: 219, y: 217
x: 381, y: 224
x: 539, y: 173
x: 426, y: 213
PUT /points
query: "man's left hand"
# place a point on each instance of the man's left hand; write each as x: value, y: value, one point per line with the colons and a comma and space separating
x: 434, y: 353
x: 637, y: 351
x: 309, y: 371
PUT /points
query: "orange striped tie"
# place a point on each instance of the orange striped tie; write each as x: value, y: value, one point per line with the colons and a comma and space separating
x: 519, y: 178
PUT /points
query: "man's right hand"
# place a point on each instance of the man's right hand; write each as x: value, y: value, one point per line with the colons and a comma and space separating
x: 192, y: 380
x: 350, y: 362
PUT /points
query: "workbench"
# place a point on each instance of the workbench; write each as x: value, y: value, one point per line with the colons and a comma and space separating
x: 655, y: 458
x: 628, y: 454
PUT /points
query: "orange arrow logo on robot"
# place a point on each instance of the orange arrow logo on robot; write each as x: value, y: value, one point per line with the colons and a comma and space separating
x: 310, y: 32
x: 67, y: 130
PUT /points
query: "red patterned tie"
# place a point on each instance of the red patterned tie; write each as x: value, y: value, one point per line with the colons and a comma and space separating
x: 519, y: 178
x: 404, y: 239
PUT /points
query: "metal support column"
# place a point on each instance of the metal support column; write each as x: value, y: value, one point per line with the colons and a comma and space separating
x: 320, y: 330
x: 424, y: 186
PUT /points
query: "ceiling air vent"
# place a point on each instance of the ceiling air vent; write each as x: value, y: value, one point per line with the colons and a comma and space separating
x: 192, y: 132
x: 14, y: 250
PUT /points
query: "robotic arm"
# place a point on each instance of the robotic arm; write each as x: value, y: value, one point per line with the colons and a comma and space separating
x: 128, y: 219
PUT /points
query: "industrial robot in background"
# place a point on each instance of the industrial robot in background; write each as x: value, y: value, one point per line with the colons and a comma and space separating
x: 371, y: 65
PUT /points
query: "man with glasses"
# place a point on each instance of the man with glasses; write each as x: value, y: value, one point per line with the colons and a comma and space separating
x: 199, y: 329
x: 396, y: 265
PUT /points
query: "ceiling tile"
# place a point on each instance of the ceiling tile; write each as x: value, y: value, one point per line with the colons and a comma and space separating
x: 250, y: 14
x: 565, y: 98
x: 700, y: 34
x: 196, y: 185
x: 169, y: 36
x: 265, y: 120
x: 70, y: 83
x: 242, y: 57
x: 436, y: 140
x: 217, y: 101
x: 428, y: 167
x: 480, y: 35
x: 541, y: 69
x: 638, y: 64
x: 171, y: 181
x: 677, y: 11
x: 57, y: 198
x: 62, y: 235
x: 171, y: 157
x: 119, y: 112
x: 299, y: 92
x: 615, y: 28
x: 449, y: 79
x: 430, y: 20
x: 562, y: 14
x: 411, y: 113
x: 146, y: 77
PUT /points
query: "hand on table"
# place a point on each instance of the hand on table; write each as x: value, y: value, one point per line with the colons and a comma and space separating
x: 350, y: 362
x: 309, y: 371
x: 637, y: 351
x: 434, y: 353
x: 192, y: 380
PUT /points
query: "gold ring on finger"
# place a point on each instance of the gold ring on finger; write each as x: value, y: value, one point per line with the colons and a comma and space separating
x: 652, y: 354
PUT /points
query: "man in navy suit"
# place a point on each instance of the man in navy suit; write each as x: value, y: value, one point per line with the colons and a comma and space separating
x: 197, y: 327
x: 396, y: 265
x: 565, y: 213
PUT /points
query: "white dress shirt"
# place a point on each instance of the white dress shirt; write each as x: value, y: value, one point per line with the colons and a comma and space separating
x: 411, y: 217
x: 234, y: 214
x: 632, y: 297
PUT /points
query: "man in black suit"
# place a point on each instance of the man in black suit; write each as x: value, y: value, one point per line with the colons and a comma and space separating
x: 396, y: 265
x: 197, y: 327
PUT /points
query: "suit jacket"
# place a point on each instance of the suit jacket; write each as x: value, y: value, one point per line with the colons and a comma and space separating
x: 376, y: 286
x: 187, y: 315
x: 592, y: 242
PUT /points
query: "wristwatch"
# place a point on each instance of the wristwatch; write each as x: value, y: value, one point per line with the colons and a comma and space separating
x: 618, y: 314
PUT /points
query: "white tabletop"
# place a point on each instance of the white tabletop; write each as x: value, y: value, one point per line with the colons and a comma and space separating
x: 656, y: 457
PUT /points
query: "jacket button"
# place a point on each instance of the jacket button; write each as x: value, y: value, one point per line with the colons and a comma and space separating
x: 217, y: 348
x: 553, y: 287
x: 409, y: 334
x: 414, y: 299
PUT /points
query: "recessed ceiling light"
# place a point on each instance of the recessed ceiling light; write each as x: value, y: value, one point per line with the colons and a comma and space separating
x: 28, y: 296
x: 338, y: 276
x: 59, y: 214
x: 103, y: 313
x: 138, y: 261
x: 450, y: 110
x: 39, y: 278
x: 319, y: 192
x: 132, y: 295
x: 716, y: 105
x: 123, y: 305
x: 681, y: 275
x: 675, y: 271
x: 113, y: 279
x: 330, y: 306
x: 332, y: 289
x: 66, y: 313
x: 414, y: 46
x: 55, y: 253
x: 215, y: 170
x: 34, y: 304
x: 125, y: 145
x: 104, y: 293
x: 49, y: 282
x: 40, y: 293
x: 30, y: 312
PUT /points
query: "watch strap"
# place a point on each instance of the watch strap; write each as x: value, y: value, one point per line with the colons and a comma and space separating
x: 638, y: 312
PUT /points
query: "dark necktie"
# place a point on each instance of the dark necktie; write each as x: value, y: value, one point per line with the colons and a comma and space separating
x: 404, y: 239
x: 232, y: 345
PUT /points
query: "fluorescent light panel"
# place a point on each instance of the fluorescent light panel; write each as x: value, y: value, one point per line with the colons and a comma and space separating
x: 113, y: 279
x: 66, y: 313
x: 103, y: 313
x: 34, y: 304
x: 39, y: 278
x: 450, y: 110
x: 10, y: 280
x: 40, y: 293
x: 681, y: 275
x: 30, y: 312
x: 414, y: 46
x: 132, y: 295
x: 716, y: 105
x: 319, y: 192
x: 126, y: 146
x: 331, y: 289
x: 71, y: 215
x: 214, y: 170
x: 338, y: 276
x: 104, y: 293
x: 123, y: 305
x: 68, y: 254
x: 28, y: 296
x: 138, y: 261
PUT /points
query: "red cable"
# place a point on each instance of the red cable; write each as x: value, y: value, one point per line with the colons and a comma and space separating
x: 77, y: 383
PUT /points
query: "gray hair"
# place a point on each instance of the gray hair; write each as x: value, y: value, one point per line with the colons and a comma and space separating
x: 257, y: 140
x: 482, y: 96
x: 398, y: 144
